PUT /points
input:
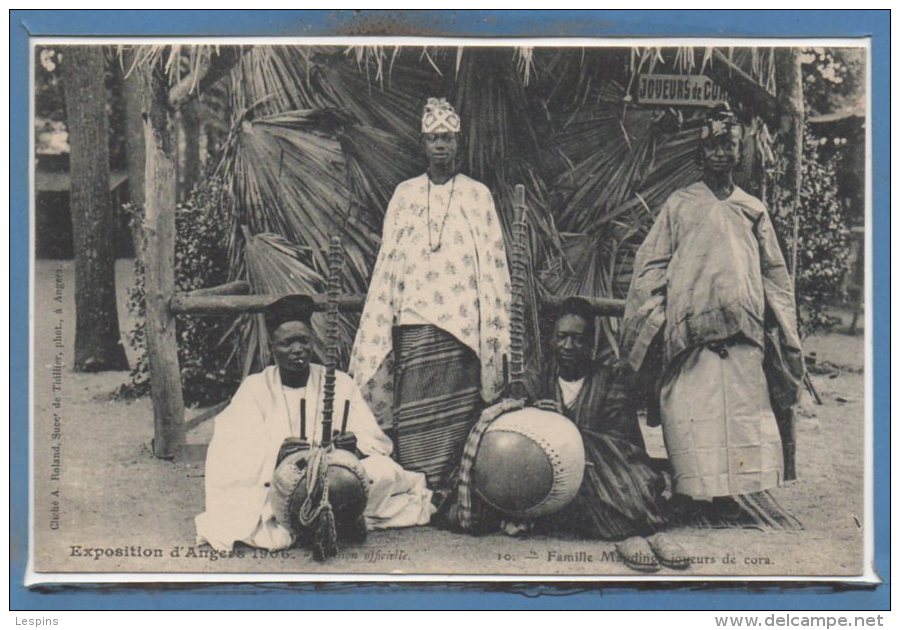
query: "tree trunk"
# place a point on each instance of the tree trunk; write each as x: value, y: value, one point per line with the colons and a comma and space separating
x: 134, y: 132
x: 159, y: 262
x: 190, y: 159
x: 98, y: 345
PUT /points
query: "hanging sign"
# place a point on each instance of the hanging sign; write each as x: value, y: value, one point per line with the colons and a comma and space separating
x: 678, y: 89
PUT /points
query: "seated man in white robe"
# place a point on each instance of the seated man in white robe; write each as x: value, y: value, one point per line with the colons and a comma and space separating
x: 265, y: 411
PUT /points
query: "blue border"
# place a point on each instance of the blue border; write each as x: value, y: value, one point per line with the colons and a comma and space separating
x: 450, y: 23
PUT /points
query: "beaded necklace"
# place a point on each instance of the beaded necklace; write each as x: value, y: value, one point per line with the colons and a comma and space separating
x: 433, y: 247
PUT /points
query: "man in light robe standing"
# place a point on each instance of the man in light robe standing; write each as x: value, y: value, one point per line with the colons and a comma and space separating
x: 711, y: 304
x: 265, y: 411
x: 435, y: 327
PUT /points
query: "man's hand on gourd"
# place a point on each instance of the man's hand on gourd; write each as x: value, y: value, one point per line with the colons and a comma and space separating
x: 548, y: 404
x: 345, y: 441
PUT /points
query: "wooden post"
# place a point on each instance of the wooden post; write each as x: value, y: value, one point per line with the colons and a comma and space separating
x: 160, y: 102
x: 789, y: 83
x: 159, y: 263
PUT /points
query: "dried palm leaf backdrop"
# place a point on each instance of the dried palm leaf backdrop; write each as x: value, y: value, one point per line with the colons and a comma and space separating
x: 320, y: 136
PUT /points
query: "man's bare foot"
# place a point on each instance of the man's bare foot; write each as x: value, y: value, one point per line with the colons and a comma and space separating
x: 512, y: 528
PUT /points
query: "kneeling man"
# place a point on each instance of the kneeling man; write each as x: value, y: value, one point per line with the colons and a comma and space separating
x: 265, y: 411
x: 621, y: 497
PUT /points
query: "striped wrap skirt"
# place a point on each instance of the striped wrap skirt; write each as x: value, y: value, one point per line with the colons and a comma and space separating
x: 437, y: 393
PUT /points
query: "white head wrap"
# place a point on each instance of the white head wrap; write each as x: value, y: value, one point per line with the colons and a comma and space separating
x: 439, y: 117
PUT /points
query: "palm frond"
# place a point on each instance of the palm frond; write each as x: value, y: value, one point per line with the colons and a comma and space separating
x: 611, y: 150
x: 374, y: 57
x: 278, y: 267
x: 288, y: 173
x: 524, y: 56
x: 396, y: 108
x: 316, y: 138
x: 176, y: 60
x: 498, y: 125
x: 377, y: 161
x: 322, y: 135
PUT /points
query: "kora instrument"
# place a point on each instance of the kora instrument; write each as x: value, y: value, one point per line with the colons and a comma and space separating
x: 324, y: 490
x: 529, y: 462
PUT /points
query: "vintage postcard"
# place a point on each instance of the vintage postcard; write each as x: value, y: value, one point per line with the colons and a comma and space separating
x: 379, y: 309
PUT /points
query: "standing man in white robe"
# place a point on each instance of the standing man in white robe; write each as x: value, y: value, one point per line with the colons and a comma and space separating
x: 242, y: 455
x: 709, y: 294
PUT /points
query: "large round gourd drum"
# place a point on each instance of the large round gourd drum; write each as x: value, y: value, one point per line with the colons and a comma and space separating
x: 348, y: 487
x: 529, y: 463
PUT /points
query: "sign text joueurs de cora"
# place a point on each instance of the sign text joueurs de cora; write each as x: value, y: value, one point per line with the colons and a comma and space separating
x: 678, y: 89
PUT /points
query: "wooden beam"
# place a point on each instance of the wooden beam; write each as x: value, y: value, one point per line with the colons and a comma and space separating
x: 193, y: 304
x: 602, y: 307
x: 205, y: 415
x: 238, y: 287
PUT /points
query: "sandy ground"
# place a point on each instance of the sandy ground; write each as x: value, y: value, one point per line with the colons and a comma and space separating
x: 111, y: 498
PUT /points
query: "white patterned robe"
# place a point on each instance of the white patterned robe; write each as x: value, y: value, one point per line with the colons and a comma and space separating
x: 463, y: 287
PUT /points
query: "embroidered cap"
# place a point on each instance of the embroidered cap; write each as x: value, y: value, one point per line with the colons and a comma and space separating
x: 439, y: 117
x: 720, y: 121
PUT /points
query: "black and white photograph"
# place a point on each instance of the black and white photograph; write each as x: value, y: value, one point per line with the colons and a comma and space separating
x: 450, y: 309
